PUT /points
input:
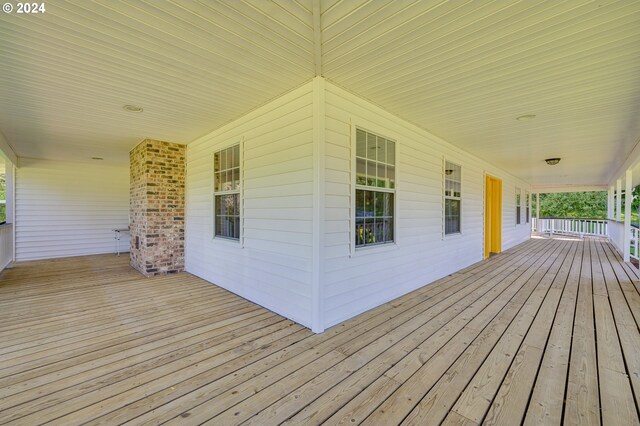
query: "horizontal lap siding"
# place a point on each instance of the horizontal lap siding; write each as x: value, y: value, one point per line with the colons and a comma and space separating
x: 375, y: 275
x: 69, y: 209
x: 273, y: 268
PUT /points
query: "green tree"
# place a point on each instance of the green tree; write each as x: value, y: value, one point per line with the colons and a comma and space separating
x: 590, y: 205
x: 635, y: 206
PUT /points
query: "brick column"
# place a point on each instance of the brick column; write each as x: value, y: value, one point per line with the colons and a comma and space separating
x: 156, y: 210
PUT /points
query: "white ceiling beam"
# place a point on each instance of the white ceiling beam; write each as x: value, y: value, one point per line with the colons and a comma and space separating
x: 317, y: 38
x: 6, y: 150
x: 632, y: 160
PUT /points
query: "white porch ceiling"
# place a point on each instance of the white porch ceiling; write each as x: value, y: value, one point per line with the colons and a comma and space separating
x: 463, y: 70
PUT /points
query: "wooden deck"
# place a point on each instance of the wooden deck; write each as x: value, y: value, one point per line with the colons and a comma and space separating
x: 545, y: 333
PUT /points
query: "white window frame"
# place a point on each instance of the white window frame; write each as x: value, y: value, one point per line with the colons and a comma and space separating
x: 4, y: 202
x: 353, y: 250
x: 239, y: 191
x: 446, y: 197
x: 518, y: 201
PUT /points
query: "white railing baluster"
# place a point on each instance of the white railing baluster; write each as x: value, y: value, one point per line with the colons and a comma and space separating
x: 578, y: 227
x: 633, y: 247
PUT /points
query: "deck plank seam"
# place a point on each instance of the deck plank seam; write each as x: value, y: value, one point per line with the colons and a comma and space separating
x: 544, y: 349
x: 627, y: 371
x: 559, y: 249
x: 456, y: 292
x: 510, y: 363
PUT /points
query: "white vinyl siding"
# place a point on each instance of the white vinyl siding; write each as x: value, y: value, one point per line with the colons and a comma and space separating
x: 69, y: 208
x: 273, y: 265
x: 356, y: 282
x: 277, y: 266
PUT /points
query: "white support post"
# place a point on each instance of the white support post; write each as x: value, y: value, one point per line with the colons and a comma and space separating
x: 317, y: 264
x: 610, y: 202
x: 9, y: 194
x: 537, y: 211
x: 628, y: 199
x: 10, y: 209
x: 618, y: 215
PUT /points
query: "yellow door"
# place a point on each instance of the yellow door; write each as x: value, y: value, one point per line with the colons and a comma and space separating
x: 487, y: 216
x: 493, y: 216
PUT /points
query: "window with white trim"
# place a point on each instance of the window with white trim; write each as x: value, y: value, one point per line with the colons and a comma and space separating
x: 375, y: 189
x: 3, y: 200
x: 527, y: 210
x: 226, y: 192
x: 452, y: 198
x: 518, y: 205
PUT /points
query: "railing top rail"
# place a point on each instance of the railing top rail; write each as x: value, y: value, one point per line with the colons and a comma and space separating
x: 575, y: 218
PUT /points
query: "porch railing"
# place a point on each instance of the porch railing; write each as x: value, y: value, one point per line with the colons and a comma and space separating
x: 581, y: 227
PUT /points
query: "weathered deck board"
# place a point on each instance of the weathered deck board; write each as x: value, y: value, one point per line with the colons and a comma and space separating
x: 612, y: 313
x: 476, y: 399
x: 419, y: 346
x: 364, y: 330
x: 545, y: 333
x: 500, y: 311
x: 583, y: 395
x: 512, y: 399
x: 547, y: 400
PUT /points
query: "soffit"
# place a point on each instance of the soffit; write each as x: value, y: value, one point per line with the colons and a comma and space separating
x: 463, y: 70
x: 193, y: 66
x: 466, y: 69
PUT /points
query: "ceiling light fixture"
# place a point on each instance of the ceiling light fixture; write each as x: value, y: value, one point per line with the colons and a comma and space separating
x: 526, y: 117
x: 132, y: 108
x: 552, y: 161
x: 97, y: 158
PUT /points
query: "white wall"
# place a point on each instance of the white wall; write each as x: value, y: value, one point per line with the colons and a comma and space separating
x: 374, y: 275
x: 6, y: 245
x: 287, y: 213
x: 616, y: 234
x: 271, y: 265
x: 68, y: 208
x: 6, y: 230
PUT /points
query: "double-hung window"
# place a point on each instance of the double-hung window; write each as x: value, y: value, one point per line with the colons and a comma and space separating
x: 452, y: 198
x: 375, y: 189
x: 527, y: 210
x: 518, y: 205
x: 226, y: 189
x: 3, y: 198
